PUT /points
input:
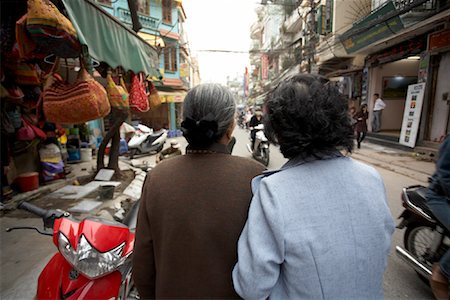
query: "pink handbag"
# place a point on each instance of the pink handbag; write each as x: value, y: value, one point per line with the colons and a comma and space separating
x: 26, y: 132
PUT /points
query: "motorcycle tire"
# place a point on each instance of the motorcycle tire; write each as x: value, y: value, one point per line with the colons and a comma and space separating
x: 133, y: 153
x: 418, y: 237
x: 265, y: 156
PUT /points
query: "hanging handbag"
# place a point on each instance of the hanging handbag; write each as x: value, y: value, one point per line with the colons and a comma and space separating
x: 26, y: 74
x: 51, y: 30
x: 74, y: 103
x: 37, y: 131
x: 153, y: 96
x: 25, y: 133
x: 122, y: 83
x: 138, y: 96
x: 117, y: 96
x: 26, y: 47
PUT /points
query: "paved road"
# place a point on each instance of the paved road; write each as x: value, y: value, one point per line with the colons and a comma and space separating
x: 23, y: 254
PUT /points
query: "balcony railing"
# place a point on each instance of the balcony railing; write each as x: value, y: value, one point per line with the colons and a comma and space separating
x: 146, y: 21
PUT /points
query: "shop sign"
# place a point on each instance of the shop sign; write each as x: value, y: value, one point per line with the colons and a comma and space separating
x: 411, y: 115
x: 423, y: 67
x: 399, y: 51
x: 439, y: 40
x: 375, y: 33
x: 264, y: 67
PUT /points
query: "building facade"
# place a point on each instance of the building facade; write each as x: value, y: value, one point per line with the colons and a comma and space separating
x: 367, y: 47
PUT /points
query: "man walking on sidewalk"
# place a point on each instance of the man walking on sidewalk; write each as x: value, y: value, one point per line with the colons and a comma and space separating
x: 378, y: 107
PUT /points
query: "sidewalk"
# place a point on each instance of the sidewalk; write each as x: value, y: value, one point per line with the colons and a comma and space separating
x: 398, y: 161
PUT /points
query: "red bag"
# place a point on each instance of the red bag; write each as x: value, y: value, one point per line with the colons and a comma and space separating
x: 25, y: 133
x: 37, y: 131
x: 138, y: 96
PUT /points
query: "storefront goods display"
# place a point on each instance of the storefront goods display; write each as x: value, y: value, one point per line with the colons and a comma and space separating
x: 51, y: 162
x: 26, y: 46
x: 75, y: 103
x: 26, y: 74
x: 28, y: 181
x: 117, y: 95
x: 29, y: 131
x: 51, y: 30
x: 153, y: 96
x: 138, y: 96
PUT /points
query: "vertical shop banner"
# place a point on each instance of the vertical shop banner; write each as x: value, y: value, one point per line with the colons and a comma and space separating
x: 264, y: 67
x: 411, y: 115
x: 423, y: 67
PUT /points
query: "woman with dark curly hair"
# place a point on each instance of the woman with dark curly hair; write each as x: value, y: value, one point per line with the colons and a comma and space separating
x: 194, y: 206
x: 320, y: 227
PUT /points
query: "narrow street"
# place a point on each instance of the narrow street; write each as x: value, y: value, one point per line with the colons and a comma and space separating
x: 20, y: 269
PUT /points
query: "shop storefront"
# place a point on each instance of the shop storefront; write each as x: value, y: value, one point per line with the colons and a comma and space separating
x: 48, y: 115
x: 390, y: 72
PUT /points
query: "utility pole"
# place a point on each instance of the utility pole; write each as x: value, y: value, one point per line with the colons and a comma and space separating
x: 312, y: 36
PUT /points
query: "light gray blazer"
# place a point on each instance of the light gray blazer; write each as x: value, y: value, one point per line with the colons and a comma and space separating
x: 317, y: 229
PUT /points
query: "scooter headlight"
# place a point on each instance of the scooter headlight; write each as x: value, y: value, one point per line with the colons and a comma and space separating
x: 88, y: 260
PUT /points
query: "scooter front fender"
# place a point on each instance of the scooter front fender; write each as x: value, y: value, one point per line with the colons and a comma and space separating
x: 59, y: 280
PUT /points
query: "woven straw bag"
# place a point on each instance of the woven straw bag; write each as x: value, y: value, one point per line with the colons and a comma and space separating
x: 117, y: 96
x: 51, y: 30
x: 74, y: 103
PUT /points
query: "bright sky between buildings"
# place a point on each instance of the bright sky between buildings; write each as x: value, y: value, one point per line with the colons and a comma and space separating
x: 220, y: 25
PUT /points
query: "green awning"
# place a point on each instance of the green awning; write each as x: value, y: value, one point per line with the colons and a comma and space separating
x: 110, y: 41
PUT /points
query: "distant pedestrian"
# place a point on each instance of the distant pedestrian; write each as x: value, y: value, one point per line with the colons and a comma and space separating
x: 320, y: 227
x: 361, y: 124
x: 378, y: 107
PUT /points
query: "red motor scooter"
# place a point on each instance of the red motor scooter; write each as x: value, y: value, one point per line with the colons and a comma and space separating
x: 94, y: 258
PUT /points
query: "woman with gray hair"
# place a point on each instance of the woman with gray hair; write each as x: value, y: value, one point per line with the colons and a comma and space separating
x: 194, y: 206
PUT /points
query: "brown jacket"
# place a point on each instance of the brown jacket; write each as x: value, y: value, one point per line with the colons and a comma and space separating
x: 193, y: 209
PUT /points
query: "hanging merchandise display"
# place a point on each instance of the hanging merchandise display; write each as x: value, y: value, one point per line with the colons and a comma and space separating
x: 117, y: 95
x: 153, y: 96
x: 26, y: 46
x: 26, y: 73
x: 51, y: 30
x: 74, y: 103
x: 138, y: 96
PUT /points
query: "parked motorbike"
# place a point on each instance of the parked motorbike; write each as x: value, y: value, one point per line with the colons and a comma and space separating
x: 145, y: 140
x: 93, y: 259
x: 260, y: 150
x: 426, y: 240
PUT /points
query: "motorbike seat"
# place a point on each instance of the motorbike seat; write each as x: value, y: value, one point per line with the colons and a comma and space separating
x: 417, y: 197
x: 154, y: 136
x: 130, y: 219
x: 157, y: 134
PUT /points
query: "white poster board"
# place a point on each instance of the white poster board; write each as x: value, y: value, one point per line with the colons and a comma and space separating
x: 411, y: 115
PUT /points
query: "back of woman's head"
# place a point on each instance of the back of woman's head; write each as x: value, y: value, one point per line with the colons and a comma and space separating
x: 306, y: 115
x: 208, y: 111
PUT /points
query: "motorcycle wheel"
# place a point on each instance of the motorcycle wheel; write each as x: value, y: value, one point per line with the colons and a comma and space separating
x: 417, y: 239
x: 265, y: 156
x: 133, y: 153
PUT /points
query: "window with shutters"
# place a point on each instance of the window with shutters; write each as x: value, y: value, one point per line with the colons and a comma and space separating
x: 170, y: 59
x: 167, y: 11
